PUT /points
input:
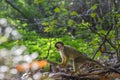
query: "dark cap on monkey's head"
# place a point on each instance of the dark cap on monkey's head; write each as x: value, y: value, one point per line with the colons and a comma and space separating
x: 59, y: 42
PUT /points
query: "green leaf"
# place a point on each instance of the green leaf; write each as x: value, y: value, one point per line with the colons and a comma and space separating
x: 45, y: 23
x: 93, y: 15
x: 38, y: 1
x: 25, y: 24
x: 98, y: 55
x: 117, y: 15
x: 73, y: 13
x: 57, y: 10
x: 48, y: 29
x: 94, y: 6
x: 70, y: 22
x: 3, y: 39
x: 102, y: 32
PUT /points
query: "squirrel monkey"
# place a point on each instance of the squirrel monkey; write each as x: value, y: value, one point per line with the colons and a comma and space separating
x: 68, y: 53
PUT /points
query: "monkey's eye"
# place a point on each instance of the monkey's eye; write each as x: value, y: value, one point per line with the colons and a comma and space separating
x: 56, y: 47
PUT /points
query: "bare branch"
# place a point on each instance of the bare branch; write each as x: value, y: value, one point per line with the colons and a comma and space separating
x: 104, y: 40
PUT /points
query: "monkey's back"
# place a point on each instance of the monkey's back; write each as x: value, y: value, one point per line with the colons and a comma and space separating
x: 79, y: 57
x: 72, y: 53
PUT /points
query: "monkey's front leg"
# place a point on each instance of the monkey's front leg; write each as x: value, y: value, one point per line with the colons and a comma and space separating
x: 64, y: 62
x: 76, y: 66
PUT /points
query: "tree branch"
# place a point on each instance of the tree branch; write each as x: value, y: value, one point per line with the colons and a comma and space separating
x: 104, y: 40
x: 36, y: 27
x: 16, y: 8
x: 112, y: 45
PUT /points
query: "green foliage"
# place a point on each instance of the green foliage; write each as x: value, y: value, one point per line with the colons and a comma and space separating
x: 61, y: 20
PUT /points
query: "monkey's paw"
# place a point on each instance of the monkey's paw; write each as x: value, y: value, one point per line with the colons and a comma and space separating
x: 62, y: 66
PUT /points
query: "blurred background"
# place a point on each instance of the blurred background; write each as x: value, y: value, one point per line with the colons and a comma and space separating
x: 30, y: 28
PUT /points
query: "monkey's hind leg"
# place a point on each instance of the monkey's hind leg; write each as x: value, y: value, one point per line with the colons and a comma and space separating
x: 76, y: 67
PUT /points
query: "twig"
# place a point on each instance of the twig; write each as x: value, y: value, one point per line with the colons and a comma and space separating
x: 104, y: 40
x: 112, y: 45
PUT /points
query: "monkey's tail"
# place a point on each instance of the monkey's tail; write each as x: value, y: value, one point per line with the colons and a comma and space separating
x: 97, y: 63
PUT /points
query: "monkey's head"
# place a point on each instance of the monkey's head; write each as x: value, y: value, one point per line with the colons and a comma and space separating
x: 59, y: 45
